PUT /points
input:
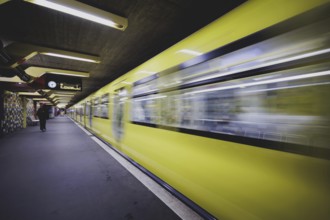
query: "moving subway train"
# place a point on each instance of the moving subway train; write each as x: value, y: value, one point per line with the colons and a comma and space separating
x: 234, y: 119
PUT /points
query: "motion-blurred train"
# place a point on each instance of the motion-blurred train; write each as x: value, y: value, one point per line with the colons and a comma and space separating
x: 235, y: 118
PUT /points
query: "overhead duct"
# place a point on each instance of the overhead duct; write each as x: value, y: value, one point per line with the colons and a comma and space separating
x: 4, y: 57
x: 5, y: 72
x: 5, y: 62
x: 7, y: 69
x: 23, y: 75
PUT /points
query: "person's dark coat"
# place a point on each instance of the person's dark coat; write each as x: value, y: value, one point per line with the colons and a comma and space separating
x: 42, y: 114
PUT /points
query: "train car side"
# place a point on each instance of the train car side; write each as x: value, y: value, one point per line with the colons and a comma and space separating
x: 230, y: 173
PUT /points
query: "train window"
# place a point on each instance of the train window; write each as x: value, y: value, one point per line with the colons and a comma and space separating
x: 145, y: 86
x: 87, y: 108
x: 120, y: 97
x: 186, y: 116
x: 169, y: 103
x: 104, y: 107
x: 96, y: 107
x: 144, y: 109
x: 89, y: 112
x: 79, y: 112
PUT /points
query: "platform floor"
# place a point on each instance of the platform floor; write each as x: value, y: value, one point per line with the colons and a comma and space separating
x: 64, y: 174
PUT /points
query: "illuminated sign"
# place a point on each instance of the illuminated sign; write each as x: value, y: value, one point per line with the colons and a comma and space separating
x: 59, y: 82
x: 66, y: 86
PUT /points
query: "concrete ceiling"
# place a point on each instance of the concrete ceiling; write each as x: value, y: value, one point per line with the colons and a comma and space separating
x: 153, y: 26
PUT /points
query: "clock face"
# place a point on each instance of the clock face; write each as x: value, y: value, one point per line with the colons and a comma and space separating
x: 52, y: 84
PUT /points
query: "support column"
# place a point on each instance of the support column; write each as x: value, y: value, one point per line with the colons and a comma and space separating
x: 2, y: 114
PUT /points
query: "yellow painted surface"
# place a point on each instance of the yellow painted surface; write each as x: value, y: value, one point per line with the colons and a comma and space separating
x: 229, y: 180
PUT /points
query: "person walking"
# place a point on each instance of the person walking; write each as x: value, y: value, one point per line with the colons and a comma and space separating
x: 42, y: 114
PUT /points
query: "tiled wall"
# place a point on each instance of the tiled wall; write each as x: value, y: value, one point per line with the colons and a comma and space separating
x: 29, y: 107
x: 12, y: 118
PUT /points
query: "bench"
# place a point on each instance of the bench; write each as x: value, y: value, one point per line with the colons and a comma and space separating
x: 31, y: 120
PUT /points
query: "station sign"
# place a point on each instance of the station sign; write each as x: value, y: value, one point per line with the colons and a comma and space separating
x: 65, y: 83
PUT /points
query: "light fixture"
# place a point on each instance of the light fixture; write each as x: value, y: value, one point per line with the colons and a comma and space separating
x: 70, y: 57
x: 40, y: 99
x: 84, y: 11
x: 29, y: 93
x: 67, y: 73
x: 64, y: 95
x: 27, y: 51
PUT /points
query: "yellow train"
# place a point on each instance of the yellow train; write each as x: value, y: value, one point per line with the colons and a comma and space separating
x: 235, y: 117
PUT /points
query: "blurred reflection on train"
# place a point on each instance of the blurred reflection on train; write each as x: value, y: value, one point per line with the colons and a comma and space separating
x: 285, y: 100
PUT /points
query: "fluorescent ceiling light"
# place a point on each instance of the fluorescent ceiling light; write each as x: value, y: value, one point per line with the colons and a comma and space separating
x: 29, y: 93
x: 64, y: 100
x: 64, y: 95
x: 27, y: 51
x: 77, y: 74
x: 40, y: 99
x: 69, y: 57
x: 85, y: 12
